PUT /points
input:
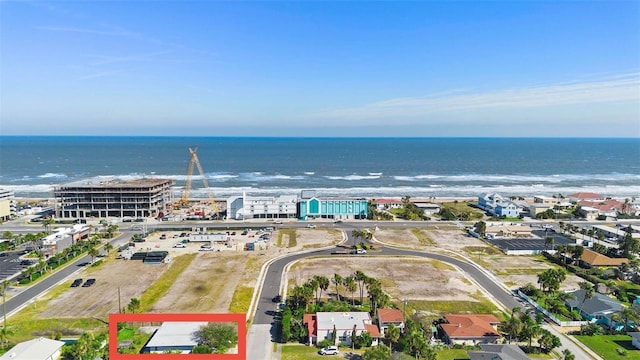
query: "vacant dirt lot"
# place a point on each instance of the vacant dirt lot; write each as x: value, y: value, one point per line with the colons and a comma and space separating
x: 207, y: 285
x: 513, y: 270
x: 414, y: 279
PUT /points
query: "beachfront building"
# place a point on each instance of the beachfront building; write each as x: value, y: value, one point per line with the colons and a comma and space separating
x: 495, y: 204
x: 99, y: 198
x: 322, y: 325
x: 262, y: 207
x: 310, y: 206
x: 7, y: 205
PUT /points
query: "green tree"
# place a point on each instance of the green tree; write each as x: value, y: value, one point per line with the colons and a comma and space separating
x: 379, y: 352
x: 337, y: 280
x: 201, y: 349
x: 512, y: 326
x: 392, y: 335
x: 47, y: 223
x: 567, y: 355
x: 108, y: 247
x: 220, y: 337
x: 360, y: 277
x: 548, y: 242
x: 481, y: 228
x: 93, y: 252
x: 323, y: 284
x: 548, y: 341
x: 588, y: 292
x: 351, y: 286
x: 134, y: 305
x: 530, y: 328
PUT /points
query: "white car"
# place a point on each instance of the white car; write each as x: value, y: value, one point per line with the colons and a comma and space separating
x: 179, y: 245
x: 311, y: 226
x: 206, y: 248
x: 329, y: 350
x: 361, y: 251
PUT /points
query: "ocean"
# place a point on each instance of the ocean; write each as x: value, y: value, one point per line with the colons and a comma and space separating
x: 361, y: 167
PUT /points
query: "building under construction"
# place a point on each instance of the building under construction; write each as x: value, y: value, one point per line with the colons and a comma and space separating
x: 113, y: 198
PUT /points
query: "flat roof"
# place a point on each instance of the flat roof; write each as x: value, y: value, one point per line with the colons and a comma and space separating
x: 39, y: 348
x: 115, y: 182
x: 342, y: 320
x: 175, y: 333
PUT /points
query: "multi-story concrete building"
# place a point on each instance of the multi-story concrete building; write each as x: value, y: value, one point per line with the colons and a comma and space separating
x: 113, y: 198
x: 262, y: 207
x: 7, y: 205
x: 310, y: 206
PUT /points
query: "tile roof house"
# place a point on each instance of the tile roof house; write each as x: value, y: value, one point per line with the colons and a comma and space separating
x: 593, y: 258
x: 387, y: 317
x: 598, y: 309
x: 468, y: 329
x: 320, y: 326
x: 579, y: 196
x: 386, y: 203
x: 35, y: 349
x: 498, y: 352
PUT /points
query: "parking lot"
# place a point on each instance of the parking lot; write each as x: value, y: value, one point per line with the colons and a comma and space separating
x: 10, y: 264
x: 535, y: 244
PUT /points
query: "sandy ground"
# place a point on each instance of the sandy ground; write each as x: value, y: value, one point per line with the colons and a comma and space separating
x: 514, y: 271
x: 207, y: 285
x: 414, y: 279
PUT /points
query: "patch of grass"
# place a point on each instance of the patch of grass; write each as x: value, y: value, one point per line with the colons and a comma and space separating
x: 138, y: 338
x: 454, y: 306
x: 460, y: 208
x: 68, y: 327
x: 292, y: 237
x: 452, y: 354
x: 241, y: 300
x: 302, y: 352
x: 161, y: 286
x: 439, y: 265
x: 279, y: 241
x: 482, y: 250
x: 312, y: 246
x: 422, y: 237
x: 610, y: 347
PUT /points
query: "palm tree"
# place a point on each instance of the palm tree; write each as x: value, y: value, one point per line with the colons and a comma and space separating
x: 134, y: 305
x: 392, y: 334
x: 588, y: 293
x: 314, y: 285
x: 351, y: 286
x: 548, y: 242
x: 513, y: 325
x: 360, y: 278
x: 323, y: 283
x: 47, y: 224
x: 567, y: 355
x: 108, y: 247
x: 93, y: 252
x: 629, y: 314
x: 337, y: 280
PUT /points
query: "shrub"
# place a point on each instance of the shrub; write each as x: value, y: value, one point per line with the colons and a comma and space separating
x: 324, y: 343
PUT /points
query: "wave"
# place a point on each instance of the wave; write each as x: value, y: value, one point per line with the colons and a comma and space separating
x: 616, y: 191
x: 52, y: 175
x: 375, y: 173
x: 353, y: 177
x: 520, y: 178
x: 309, y: 173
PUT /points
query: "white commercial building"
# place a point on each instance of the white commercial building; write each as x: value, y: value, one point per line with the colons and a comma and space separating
x: 35, y: 349
x: 262, y: 207
x: 174, y: 336
x: 7, y: 205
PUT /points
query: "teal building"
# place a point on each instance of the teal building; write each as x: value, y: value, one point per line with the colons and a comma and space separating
x: 311, y: 206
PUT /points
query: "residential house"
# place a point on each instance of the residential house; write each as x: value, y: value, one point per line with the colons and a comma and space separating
x: 495, y: 204
x: 592, y: 258
x: 428, y: 208
x: 387, y: 317
x: 608, y: 208
x: 488, y: 202
x: 507, y: 209
x: 597, y: 309
x: 35, y: 349
x: 589, y: 196
x: 321, y: 325
x: 387, y: 203
x: 498, y: 352
x: 470, y: 329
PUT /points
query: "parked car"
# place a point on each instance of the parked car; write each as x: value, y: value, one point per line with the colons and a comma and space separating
x: 206, y: 248
x: 361, y: 251
x: 89, y: 282
x: 163, y: 236
x: 276, y: 299
x: 76, y: 283
x: 179, y: 245
x: 329, y: 350
x: 311, y: 226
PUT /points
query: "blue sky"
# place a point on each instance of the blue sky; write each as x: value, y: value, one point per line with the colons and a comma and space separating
x: 273, y: 68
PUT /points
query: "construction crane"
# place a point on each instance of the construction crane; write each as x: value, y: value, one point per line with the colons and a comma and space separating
x: 193, y: 160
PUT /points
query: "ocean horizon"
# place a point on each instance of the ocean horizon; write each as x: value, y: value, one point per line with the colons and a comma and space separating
x: 32, y: 166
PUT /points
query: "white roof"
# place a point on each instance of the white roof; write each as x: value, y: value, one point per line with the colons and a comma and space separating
x: 175, y: 333
x: 35, y: 349
x: 342, y: 320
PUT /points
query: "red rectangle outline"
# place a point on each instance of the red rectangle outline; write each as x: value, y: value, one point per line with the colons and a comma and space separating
x: 240, y: 319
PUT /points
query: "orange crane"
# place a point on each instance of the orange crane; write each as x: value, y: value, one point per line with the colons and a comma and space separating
x: 193, y: 160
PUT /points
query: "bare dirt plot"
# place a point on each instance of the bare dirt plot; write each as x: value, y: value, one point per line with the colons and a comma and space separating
x: 131, y: 277
x: 207, y: 285
x: 513, y: 270
x: 315, y: 238
x: 415, y: 279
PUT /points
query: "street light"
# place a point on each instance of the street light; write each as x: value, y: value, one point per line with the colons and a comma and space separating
x: 405, y: 301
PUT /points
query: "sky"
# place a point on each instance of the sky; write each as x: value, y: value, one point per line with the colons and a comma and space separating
x: 320, y: 68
